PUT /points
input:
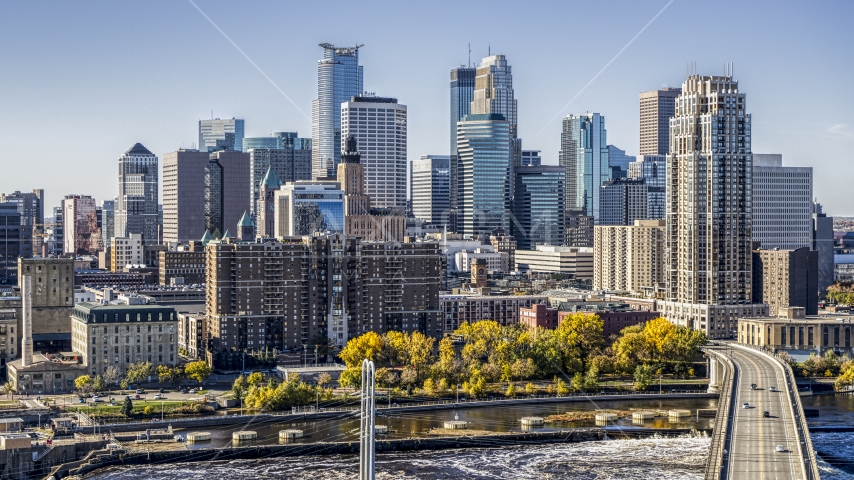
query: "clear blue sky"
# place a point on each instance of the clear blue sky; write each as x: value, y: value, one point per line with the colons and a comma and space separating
x: 80, y: 82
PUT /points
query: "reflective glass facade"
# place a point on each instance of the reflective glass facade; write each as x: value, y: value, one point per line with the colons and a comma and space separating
x: 538, y: 207
x: 213, y: 198
x: 217, y: 134
x: 584, y: 155
x: 462, y: 91
x: 652, y: 169
x: 483, y: 146
x: 339, y: 77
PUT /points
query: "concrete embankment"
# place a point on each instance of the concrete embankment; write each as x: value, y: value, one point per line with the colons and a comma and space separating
x: 352, y: 448
x: 221, y: 420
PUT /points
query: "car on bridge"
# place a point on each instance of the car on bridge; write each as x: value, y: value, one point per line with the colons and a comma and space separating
x: 745, y: 405
x: 781, y: 448
x: 772, y: 389
x: 766, y: 414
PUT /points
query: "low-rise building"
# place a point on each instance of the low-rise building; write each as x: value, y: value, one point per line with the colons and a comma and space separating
x: 494, y: 260
x: 576, y: 262
x: 8, y: 339
x: 718, y: 321
x: 797, y: 333
x: 51, y: 373
x: 191, y: 333
x: 504, y: 309
x: 539, y: 315
x: 118, y: 335
x: 126, y: 251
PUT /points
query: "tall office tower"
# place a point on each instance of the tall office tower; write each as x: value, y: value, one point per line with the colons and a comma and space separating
x: 485, y: 164
x: 82, y: 234
x: 629, y: 257
x: 351, y: 179
x: 493, y: 94
x: 280, y: 140
x: 619, y: 161
x: 462, y: 94
x: 430, y: 188
x: 531, y: 158
x: 652, y: 169
x: 538, y: 215
x: 709, y: 264
x: 307, y: 208
x: 31, y: 207
x: 782, y: 203
x: 184, y: 195
x: 136, y: 203
x: 216, y: 134
x: 584, y: 155
x: 786, y: 278
x: 822, y: 242
x: 623, y: 202
x: 287, y: 164
x: 59, y: 232
x: 339, y: 77
x: 226, y: 191
x: 379, y: 125
x: 15, y: 241
x: 656, y: 108
x: 108, y: 221
x: 266, y: 204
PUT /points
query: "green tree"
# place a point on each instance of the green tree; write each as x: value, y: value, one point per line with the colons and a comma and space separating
x: 644, y: 375
x: 167, y: 374
x: 98, y: 384
x: 239, y: 389
x: 7, y: 388
x: 591, y: 380
x: 578, y: 382
x: 198, y: 371
x: 352, y: 377
x: 511, y: 390
x: 523, y: 369
x: 561, y: 388
x: 137, y: 373
x: 127, y: 407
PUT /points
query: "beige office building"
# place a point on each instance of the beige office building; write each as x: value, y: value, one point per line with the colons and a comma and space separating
x: 656, y: 108
x: 574, y: 261
x: 629, y: 258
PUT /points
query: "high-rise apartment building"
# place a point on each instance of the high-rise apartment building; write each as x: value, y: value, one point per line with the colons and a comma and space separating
x: 379, y: 127
x: 82, y: 234
x: 331, y: 287
x: 629, y: 258
x: 652, y: 169
x: 305, y: 208
x: 484, y: 153
x: 786, y: 278
x: 462, y: 94
x: 538, y: 214
x: 782, y: 204
x: 656, y: 108
x: 59, y: 232
x: 709, y: 232
x: 822, y: 242
x: 184, y: 195
x: 125, y: 251
x: 15, y: 241
x: 227, y: 190
x: 339, y: 77
x: 430, y: 188
x: 584, y: 155
x: 216, y: 134
x: 623, y: 202
x: 137, y: 201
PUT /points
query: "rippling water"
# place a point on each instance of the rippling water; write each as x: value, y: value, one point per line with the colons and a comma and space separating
x: 661, y: 458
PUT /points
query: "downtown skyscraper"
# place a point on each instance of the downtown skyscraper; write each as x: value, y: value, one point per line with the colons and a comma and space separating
x: 584, y: 155
x: 217, y: 134
x: 709, y: 221
x: 339, y: 77
x: 136, y: 202
x: 462, y: 94
x: 493, y: 94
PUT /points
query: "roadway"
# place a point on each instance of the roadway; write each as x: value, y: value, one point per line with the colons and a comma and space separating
x: 754, y: 439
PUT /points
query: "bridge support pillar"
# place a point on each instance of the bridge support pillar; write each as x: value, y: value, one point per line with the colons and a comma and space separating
x: 716, y: 372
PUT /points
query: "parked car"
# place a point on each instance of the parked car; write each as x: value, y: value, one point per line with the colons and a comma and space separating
x: 96, y: 398
x: 162, y: 391
x: 138, y: 390
x: 136, y: 396
x: 159, y: 396
x: 192, y: 391
x: 80, y: 400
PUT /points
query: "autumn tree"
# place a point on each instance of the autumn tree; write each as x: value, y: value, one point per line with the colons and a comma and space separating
x: 368, y: 346
x: 167, y: 374
x: 136, y: 373
x: 198, y: 371
x: 83, y: 384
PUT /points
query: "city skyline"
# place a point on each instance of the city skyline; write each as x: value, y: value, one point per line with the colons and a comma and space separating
x: 163, y: 113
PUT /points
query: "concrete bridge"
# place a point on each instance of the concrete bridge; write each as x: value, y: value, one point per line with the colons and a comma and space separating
x: 746, y: 444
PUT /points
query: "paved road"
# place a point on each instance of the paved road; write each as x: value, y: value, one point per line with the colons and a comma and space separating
x: 752, y: 453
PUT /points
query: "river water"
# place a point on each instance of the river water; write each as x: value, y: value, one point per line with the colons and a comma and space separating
x: 660, y: 458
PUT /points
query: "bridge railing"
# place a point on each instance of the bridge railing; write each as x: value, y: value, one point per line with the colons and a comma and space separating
x: 718, y: 451
x: 805, y: 447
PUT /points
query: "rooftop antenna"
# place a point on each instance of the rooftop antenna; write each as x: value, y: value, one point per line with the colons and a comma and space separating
x: 489, y: 50
x: 469, y: 54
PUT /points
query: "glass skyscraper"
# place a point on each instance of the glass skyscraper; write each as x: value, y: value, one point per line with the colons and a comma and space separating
x: 216, y: 134
x: 484, y: 150
x: 584, y: 155
x: 462, y: 93
x: 306, y: 208
x: 619, y: 162
x: 652, y: 169
x: 339, y: 77
x: 538, y: 207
